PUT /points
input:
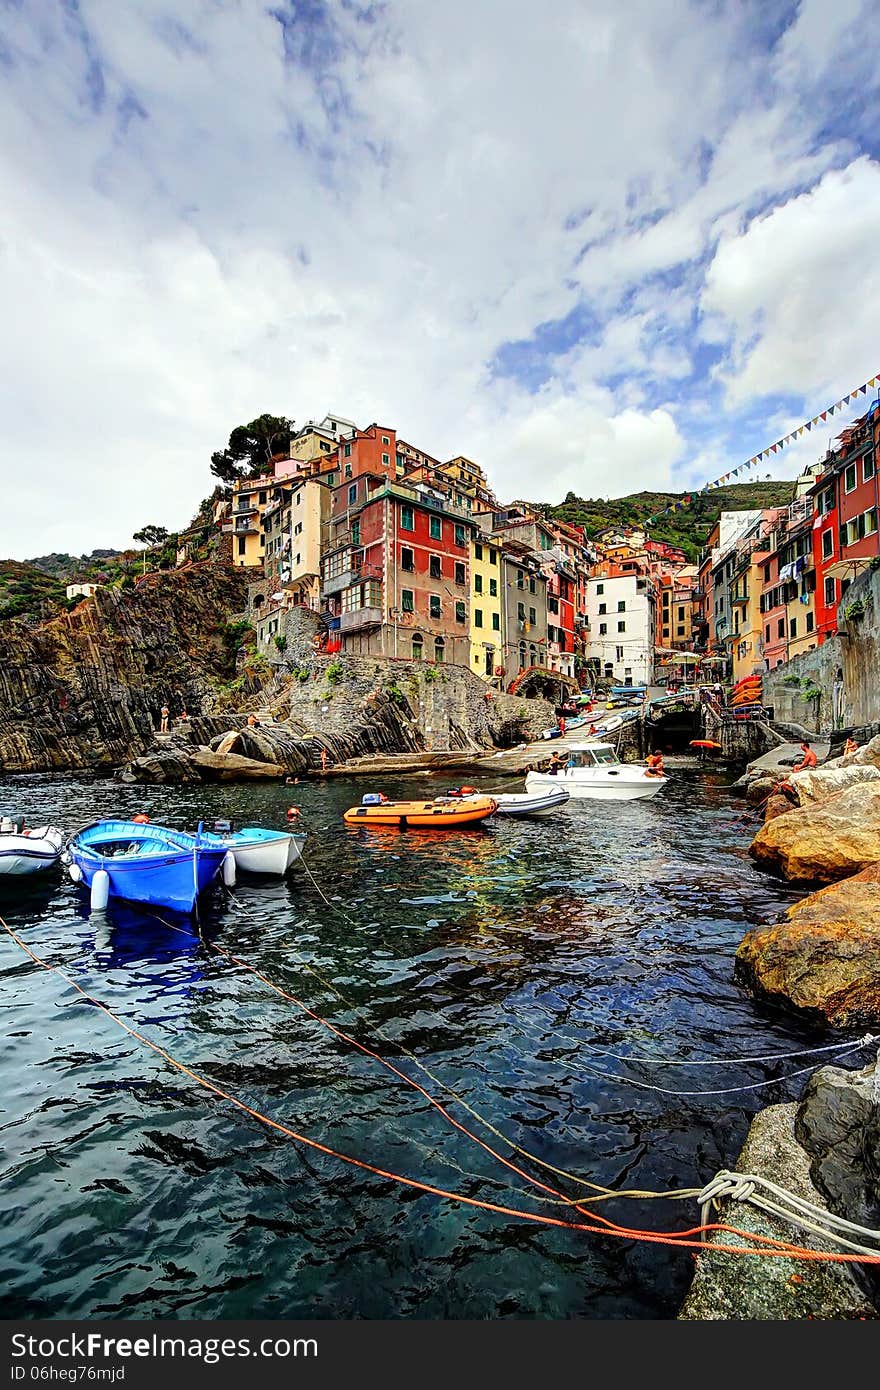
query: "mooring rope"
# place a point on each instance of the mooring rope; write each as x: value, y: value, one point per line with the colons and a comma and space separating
x: 762, y: 1246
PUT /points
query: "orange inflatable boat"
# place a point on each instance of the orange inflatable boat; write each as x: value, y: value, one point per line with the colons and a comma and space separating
x: 442, y: 814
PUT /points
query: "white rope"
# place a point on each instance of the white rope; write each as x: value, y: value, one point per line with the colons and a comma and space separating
x: 785, y: 1206
x: 718, y: 1091
x: 843, y: 1045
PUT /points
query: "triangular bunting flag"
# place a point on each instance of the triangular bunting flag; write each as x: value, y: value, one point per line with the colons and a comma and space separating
x: 863, y: 389
x: 831, y: 409
x: 824, y: 415
x: 846, y: 400
x: 809, y: 425
x: 773, y: 448
x: 873, y: 382
x: 815, y: 419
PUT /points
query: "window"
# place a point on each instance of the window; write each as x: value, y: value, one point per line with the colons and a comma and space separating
x: 436, y: 528
x: 331, y: 479
x: 868, y: 466
x: 621, y: 605
x: 531, y: 583
x: 407, y: 520
x: 871, y: 521
x: 521, y: 612
x: 792, y: 627
x: 346, y: 472
x: 242, y: 545
x: 780, y: 627
x: 493, y: 557
x: 262, y: 497
x: 435, y: 567
x: 408, y: 600
x: 418, y: 648
x: 681, y: 615
x: 434, y: 607
x: 460, y: 611
x: 603, y: 629
x: 385, y: 459
x: 767, y: 633
x: 355, y: 532
x: 830, y: 593
x: 849, y: 478
x: 407, y: 559
x: 478, y: 552
x: 496, y: 622
x: 493, y: 587
x: 460, y: 536
x: 460, y: 576
x: 478, y: 583
x: 520, y: 580
x: 621, y: 627
x: 620, y: 653
x: 810, y: 622
x: 532, y: 616
x: 385, y: 440
x: 603, y: 608
x: 679, y: 632
x: 439, y: 649
x: 827, y: 544
x: 346, y: 449
x: 478, y: 617
x: 600, y: 588
x: 352, y: 494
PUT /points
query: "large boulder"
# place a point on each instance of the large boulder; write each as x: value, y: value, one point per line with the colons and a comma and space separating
x: 820, y: 784
x: 746, y: 1288
x: 825, y: 841
x: 824, y: 956
x: 160, y: 765
x: 866, y: 756
x: 232, y: 767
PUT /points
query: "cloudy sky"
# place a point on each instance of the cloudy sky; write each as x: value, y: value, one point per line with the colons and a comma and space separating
x: 594, y: 246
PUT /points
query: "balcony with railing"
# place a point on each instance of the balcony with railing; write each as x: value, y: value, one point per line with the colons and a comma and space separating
x: 341, y: 570
x: 359, y: 619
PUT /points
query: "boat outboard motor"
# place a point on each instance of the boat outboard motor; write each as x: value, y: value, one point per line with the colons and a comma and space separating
x: 223, y: 827
x: 371, y: 799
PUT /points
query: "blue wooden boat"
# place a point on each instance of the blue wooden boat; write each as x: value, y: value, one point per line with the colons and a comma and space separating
x: 146, y: 863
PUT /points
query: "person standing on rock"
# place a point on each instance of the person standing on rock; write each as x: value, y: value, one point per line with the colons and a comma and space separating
x: 164, y: 716
x: 808, y: 760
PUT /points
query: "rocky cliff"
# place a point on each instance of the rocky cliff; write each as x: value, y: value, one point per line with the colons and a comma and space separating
x: 85, y: 689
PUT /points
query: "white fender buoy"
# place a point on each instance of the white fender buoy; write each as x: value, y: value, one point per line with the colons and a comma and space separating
x: 100, y: 891
x: 75, y: 872
x: 229, y: 869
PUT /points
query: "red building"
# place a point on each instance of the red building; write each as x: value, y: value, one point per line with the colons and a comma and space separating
x: 395, y: 574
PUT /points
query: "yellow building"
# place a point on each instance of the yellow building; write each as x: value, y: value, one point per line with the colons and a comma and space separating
x: 318, y: 438
x: 745, y: 638
x: 249, y: 500
x: 487, y: 649
x: 295, y: 521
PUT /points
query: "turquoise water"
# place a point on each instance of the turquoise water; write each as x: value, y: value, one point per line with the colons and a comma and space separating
x: 508, y: 960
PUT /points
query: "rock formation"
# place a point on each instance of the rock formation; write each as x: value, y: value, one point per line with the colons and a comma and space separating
x: 824, y: 956
x: 823, y: 1150
x: 85, y: 689
x: 824, y: 841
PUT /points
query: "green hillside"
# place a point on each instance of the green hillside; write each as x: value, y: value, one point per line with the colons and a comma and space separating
x: 687, y: 528
x: 60, y: 565
x: 27, y: 590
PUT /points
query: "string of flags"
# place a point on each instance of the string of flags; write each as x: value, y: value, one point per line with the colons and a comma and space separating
x: 780, y: 444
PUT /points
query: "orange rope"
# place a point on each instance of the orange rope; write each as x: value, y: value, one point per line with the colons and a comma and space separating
x: 766, y: 1246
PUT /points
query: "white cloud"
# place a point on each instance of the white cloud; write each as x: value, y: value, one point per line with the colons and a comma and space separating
x: 193, y: 231
x: 802, y: 278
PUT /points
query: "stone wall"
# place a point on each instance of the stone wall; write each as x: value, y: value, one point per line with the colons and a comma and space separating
x: 845, y: 670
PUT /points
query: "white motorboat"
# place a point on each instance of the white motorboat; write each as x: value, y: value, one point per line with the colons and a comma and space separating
x: 534, y: 803
x: 28, y: 851
x: 594, y: 771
